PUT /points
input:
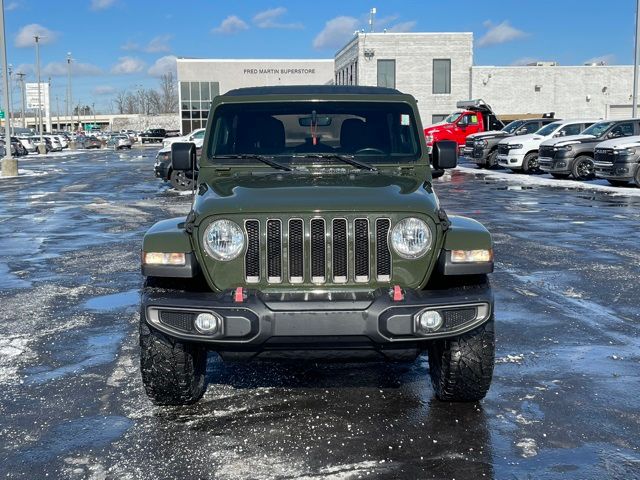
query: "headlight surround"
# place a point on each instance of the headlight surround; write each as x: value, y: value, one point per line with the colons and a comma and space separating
x: 515, y: 146
x: 481, y: 143
x: 411, y: 238
x: 625, y: 151
x: 223, y: 240
x: 564, y: 148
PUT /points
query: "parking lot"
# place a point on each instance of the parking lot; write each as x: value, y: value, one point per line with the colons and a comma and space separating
x: 563, y: 404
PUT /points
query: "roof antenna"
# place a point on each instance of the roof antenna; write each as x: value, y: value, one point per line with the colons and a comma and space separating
x: 372, y: 17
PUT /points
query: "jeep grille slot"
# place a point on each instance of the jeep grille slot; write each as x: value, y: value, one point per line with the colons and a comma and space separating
x: 274, y: 251
x: 339, y: 234
x: 383, y: 254
x: 361, y: 249
x: 296, y: 251
x: 318, y: 249
x: 252, y: 257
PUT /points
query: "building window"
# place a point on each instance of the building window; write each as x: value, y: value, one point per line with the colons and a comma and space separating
x: 195, y: 102
x: 438, y: 117
x: 441, y: 76
x: 387, y: 73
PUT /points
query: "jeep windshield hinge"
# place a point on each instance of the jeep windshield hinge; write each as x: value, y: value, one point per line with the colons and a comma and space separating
x: 188, y: 224
x: 444, y: 219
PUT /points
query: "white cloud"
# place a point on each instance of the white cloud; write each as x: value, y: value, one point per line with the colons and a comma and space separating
x: 269, y: 19
x: 500, y: 33
x: 101, y: 4
x: 130, y: 45
x: 336, y: 33
x: 11, y: 6
x: 104, y: 90
x: 163, y: 65
x: 159, y: 44
x: 24, y: 38
x: 230, y: 25
x: 403, y: 27
x: 609, y: 59
x: 59, y: 69
x: 127, y: 65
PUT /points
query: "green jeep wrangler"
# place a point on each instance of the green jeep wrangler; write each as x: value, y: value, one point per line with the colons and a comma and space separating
x: 315, y: 233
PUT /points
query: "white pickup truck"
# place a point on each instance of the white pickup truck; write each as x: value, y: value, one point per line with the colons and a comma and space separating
x: 521, y: 153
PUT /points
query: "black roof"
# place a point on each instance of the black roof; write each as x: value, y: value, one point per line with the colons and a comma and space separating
x: 312, y: 90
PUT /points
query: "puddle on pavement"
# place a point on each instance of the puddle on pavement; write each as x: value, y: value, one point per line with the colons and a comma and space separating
x: 97, y: 350
x: 88, y: 432
x: 116, y: 301
x: 8, y: 280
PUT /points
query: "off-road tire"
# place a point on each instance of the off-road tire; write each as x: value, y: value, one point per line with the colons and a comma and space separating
x: 583, y: 168
x: 530, y: 163
x: 180, y: 181
x: 461, y: 368
x: 173, y: 372
x: 618, y: 183
x: 560, y: 176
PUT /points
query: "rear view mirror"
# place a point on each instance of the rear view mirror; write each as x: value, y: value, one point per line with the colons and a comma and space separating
x: 318, y: 121
x: 183, y: 156
x: 444, y: 155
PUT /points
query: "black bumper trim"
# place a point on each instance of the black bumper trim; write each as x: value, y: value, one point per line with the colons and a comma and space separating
x: 264, y: 317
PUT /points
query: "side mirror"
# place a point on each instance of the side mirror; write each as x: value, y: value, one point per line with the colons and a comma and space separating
x: 521, y: 131
x: 183, y: 156
x: 444, y: 155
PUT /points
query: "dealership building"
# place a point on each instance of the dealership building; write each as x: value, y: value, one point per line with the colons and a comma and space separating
x: 437, y: 68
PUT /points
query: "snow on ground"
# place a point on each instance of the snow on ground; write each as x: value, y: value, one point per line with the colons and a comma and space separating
x: 548, y: 181
x: 26, y: 173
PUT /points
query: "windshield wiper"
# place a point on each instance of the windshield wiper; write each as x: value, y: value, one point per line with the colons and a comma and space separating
x: 350, y: 159
x: 262, y: 158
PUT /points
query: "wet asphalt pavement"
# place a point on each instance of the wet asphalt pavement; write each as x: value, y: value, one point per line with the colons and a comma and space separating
x: 564, y: 402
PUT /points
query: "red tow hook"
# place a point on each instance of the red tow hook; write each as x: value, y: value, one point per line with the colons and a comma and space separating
x: 398, y: 294
x: 238, y: 295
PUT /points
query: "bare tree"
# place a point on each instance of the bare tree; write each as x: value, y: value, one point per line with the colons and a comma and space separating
x: 168, y: 93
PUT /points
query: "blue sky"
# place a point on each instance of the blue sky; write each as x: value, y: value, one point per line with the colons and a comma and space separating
x: 122, y: 44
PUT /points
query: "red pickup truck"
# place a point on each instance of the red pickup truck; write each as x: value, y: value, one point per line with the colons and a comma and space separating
x: 473, y: 116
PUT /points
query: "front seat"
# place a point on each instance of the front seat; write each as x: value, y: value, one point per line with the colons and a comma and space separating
x: 353, y: 135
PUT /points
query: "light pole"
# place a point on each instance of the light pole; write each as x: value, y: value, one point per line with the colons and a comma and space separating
x: 636, y: 60
x: 58, y: 113
x: 21, y: 78
x: 41, y: 148
x: 69, y: 99
x: 93, y: 107
x: 9, y: 164
x: 9, y: 92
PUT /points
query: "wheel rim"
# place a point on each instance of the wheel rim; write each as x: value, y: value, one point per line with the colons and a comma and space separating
x: 585, y: 169
x: 533, y: 164
x: 182, y: 180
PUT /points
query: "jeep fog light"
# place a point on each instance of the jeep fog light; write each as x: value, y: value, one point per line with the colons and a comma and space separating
x: 471, y: 256
x: 208, y: 323
x: 161, y: 258
x: 428, y: 321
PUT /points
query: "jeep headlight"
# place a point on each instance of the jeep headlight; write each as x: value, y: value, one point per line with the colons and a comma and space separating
x: 223, y: 240
x: 411, y: 238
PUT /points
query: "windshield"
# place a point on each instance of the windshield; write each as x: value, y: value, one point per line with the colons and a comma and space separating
x: 375, y: 132
x: 512, y: 126
x: 597, y: 129
x: 548, y: 129
x: 453, y: 117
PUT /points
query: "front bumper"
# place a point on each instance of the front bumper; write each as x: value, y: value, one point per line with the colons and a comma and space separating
x: 326, y: 320
x: 554, y: 165
x: 616, y: 171
x: 161, y: 169
x: 511, y: 160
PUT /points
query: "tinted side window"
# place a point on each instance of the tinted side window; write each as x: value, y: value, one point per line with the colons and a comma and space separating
x: 574, y: 129
x: 621, y: 130
x: 532, y: 127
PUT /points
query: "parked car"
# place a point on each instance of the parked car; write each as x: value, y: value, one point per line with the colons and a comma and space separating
x: 482, y: 148
x: 62, y: 139
x: 153, y: 135
x: 520, y: 153
x: 197, y: 137
x: 179, y: 179
x: 573, y: 155
x: 119, y: 142
x: 18, y: 148
x: 56, y: 146
x: 29, y: 143
x: 90, y: 142
x: 618, y: 160
x: 280, y: 257
x: 473, y: 116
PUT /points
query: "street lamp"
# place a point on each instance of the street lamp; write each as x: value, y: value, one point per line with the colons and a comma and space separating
x: 69, y: 99
x: 41, y: 147
x: 13, y: 129
x: 9, y: 164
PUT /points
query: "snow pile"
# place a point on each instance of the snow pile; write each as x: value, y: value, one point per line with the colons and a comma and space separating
x: 14, y: 351
x: 548, y: 181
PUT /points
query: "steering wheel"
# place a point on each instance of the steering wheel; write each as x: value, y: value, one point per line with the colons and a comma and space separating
x: 370, y: 150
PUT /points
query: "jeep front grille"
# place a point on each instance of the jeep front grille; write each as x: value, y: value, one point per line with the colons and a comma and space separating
x: 318, y: 251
